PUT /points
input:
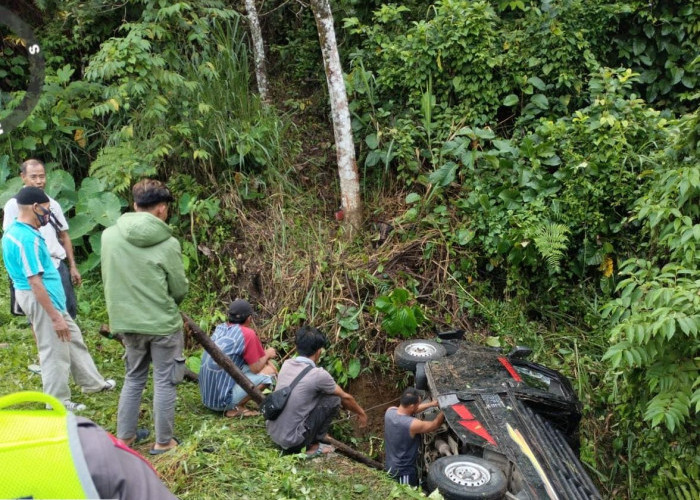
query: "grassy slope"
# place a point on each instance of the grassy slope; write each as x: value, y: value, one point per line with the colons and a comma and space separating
x: 218, y: 458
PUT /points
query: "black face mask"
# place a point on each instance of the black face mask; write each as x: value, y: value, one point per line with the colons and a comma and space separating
x: 45, y: 216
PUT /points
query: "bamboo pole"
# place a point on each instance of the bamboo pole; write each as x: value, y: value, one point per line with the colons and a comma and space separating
x: 225, y: 362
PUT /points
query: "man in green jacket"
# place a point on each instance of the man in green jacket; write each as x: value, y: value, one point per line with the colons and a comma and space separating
x: 144, y: 281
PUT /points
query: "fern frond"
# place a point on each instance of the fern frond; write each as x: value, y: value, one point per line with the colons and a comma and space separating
x: 551, y: 240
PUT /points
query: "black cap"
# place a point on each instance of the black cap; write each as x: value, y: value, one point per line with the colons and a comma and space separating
x: 30, y: 196
x: 239, y: 310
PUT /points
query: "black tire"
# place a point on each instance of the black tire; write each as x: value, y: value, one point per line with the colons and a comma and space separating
x: 421, y: 381
x: 464, y: 477
x: 411, y: 352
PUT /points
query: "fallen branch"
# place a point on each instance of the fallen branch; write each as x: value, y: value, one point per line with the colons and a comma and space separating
x: 230, y: 367
x: 351, y: 453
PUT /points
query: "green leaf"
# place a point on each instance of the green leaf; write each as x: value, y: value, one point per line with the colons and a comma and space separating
x: 400, y: 296
x: 373, y: 158
x: 349, y: 323
x: 90, y: 187
x: 4, y: 168
x: 414, y: 197
x: 464, y: 236
x: 511, y: 100
x: 80, y: 225
x: 194, y: 363
x: 411, y: 214
x: 186, y: 203
x: 354, y: 368
x: 484, y: 133
x: 540, y: 100
x: 95, y: 240
x: 88, y: 265
x: 372, y: 141
x: 383, y: 303
x: 105, y: 209
x: 638, y: 46
x: 493, y: 341
x: 537, y: 83
x: 445, y: 175
x: 64, y: 73
x: 10, y: 189
x: 359, y: 488
x: 57, y: 182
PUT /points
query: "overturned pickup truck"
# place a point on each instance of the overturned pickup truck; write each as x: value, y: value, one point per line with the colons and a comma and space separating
x: 511, y: 426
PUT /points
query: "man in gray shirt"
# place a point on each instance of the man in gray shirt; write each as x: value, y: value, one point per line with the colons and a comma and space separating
x: 401, y: 435
x: 314, y: 402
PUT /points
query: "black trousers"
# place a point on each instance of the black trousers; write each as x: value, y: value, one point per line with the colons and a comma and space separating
x: 71, y: 301
x: 318, y: 422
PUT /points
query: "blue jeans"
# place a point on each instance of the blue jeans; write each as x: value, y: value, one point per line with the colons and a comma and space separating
x: 165, y: 352
x: 238, y: 393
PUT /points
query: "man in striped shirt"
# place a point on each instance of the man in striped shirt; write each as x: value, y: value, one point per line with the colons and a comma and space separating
x: 239, y: 342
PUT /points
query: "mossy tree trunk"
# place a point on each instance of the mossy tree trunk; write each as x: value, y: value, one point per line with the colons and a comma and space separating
x: 258, y: 49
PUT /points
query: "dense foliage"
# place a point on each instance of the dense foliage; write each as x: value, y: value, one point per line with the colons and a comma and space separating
x: 530, y: 167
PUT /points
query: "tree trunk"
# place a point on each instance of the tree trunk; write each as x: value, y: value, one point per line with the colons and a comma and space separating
x: 258, y: 49
x: 351, y: 203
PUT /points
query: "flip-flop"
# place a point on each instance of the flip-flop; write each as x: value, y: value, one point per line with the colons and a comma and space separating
x: 154, y: 451
x: 323, y: 449
x: 241, y: 412
x: 141, y: 434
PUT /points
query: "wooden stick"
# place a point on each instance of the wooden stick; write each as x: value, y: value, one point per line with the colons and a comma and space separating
x: 225, y: 362
x: 351, y: 453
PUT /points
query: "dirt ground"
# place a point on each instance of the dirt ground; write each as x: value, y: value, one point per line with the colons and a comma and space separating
x: 375, y: 392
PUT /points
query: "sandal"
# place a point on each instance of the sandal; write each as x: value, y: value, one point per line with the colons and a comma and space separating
x: 141, y: 435
x: 323, y: 449
x: 160, y: 451
x: 240, y: 412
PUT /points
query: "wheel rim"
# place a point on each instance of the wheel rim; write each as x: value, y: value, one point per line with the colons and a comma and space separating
x: 467, y: 474
x: 421, y: 350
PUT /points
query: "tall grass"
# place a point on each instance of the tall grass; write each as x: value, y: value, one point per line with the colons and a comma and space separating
x: 232, y: 124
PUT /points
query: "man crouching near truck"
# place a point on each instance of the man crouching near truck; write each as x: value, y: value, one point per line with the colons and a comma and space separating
x: 314, y: 402
x: 402, y: 435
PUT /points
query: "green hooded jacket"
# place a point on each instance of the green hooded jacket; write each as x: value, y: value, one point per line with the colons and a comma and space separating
x: 143, y: 275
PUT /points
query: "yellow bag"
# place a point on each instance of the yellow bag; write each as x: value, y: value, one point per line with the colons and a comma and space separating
x: 40, y: 452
